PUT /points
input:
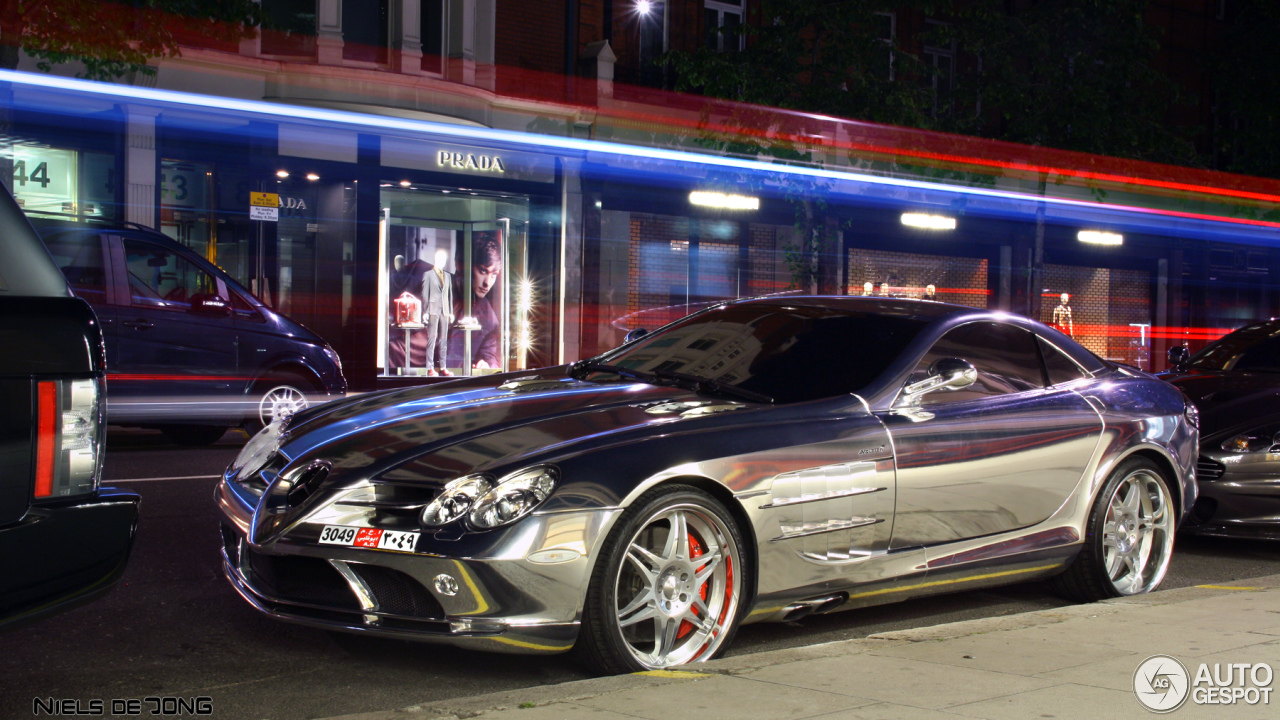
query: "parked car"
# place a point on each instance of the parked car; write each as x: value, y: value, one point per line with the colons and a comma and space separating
x: 189, y: 350
x: 63, y: 539
x: 758, y: 461
x: 1235, y: 382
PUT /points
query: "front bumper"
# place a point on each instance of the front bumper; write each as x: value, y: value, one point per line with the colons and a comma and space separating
x: 501, y: 601
x: 60, y: 556
x: 1239, y: 496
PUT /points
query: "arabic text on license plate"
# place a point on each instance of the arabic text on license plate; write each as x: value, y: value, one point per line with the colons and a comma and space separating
x: 402, y: 541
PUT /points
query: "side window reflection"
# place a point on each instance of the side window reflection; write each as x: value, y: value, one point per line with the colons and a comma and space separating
x: 1005, y: 356
x: 161, y: 278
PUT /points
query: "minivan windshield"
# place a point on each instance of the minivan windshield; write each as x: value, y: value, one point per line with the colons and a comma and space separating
x: 784, y: 353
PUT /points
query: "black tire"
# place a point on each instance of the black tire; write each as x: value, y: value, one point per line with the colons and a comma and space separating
x: 1101, y: 570
x: 673, y: 593
x: 193, y: 435
x: 275, y: 383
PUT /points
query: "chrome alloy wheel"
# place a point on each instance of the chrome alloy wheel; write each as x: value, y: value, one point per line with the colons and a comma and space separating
x: 279, y: 402
x: 677, y: 589
x: 1137, y: 534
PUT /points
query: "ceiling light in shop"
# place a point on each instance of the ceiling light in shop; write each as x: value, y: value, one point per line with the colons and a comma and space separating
x: 313, y: 176
x: 724, y: 201
x: 1096, y: 237
x: 929, y: 222
x: 282, y: 174
x: 405, y: 183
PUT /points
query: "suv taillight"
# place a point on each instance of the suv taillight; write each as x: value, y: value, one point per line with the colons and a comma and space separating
x: 69, y: 440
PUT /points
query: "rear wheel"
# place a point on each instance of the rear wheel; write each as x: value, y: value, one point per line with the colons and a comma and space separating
x: 278, y: 397
x: 193, y: 435
x: 1129, y: 539
x: 668, y: 588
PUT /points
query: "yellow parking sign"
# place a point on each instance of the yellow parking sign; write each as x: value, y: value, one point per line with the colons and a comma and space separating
x: 257, y: 199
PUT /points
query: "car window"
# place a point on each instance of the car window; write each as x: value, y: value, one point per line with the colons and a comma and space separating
x: 79, y: 257
x: 1061, y: 368
x: 1005, y: 356
x: 162, y: 278
x: 243, y: 310
x: 1262, y: 356
x: 789, y: 353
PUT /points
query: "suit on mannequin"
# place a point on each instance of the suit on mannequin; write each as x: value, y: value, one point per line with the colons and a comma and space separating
x: 437, y: 312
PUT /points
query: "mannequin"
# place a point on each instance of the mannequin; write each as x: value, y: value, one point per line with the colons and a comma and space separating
x: 867, y: 288
x: 1062, y: 316
x: 437, y: 312
x: 930, y: 292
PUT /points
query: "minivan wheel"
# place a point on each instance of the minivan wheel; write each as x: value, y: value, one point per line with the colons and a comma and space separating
x: 193, y: 435
x: 279, y: 396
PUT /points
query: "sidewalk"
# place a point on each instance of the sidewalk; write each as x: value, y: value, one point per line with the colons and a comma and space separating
x: 1072, y: 662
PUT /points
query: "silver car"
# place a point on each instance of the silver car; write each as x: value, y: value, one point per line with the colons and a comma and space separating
x: 761, y: 460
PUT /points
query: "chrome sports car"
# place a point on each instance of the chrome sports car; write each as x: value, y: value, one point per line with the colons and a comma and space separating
x: 760, y: 460
x: 1235, y: 382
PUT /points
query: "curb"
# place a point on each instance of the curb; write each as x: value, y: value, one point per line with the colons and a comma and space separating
x: 572, y: 691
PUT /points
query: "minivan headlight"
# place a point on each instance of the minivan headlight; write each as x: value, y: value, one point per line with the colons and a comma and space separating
x: 515, y: 496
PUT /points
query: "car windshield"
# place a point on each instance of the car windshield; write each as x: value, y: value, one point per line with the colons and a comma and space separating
x: 786, y: 353
x: 1255, y: 347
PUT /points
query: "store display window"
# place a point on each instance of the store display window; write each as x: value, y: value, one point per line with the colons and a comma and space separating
x: 956, y: 280
x: 454, y: 288
x: 1104, y: 309
x: 58, y: 182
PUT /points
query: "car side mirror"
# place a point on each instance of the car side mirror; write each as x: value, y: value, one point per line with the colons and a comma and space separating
x: 210, y: 305
x: 1179, y: 356
x: 944, y: 374
x: 635, y: 334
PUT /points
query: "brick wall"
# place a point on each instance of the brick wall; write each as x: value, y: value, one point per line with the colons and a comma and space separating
x: 962, y: 281
x: 530, y: 35
x: 1104, y: 303
x: 659, y: 260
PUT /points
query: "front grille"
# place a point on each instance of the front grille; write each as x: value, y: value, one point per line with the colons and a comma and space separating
x: 300, y: 579
x: 397, y: 593
x: 1209, y: 469
x: 231, y: 543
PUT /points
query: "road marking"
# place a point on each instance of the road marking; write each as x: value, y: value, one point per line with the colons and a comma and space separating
x: 162, y: 479
x: 1229, y: 587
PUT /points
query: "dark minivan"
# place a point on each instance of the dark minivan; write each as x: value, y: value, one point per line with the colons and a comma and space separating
x: 190, y: 351
x: 63, y: 539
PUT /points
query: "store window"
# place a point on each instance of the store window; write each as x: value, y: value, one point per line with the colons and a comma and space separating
x: 364, y: 31
x: 723, y: 21
x: 1106, y: 310
x: 456, y: 289
x: 432, y: 35
x: 185, y: 205
x: 289, y: 28
x: 58, y: 182
x: 957, y: 280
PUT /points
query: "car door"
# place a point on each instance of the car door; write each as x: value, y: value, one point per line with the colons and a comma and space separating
x: 1001, y: 454
x: 177, y: 358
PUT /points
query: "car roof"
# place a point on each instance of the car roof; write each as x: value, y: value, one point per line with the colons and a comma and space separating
x: 920, y: 309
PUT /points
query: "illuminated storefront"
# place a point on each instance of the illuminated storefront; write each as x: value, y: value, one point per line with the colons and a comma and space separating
x: 418, y: 248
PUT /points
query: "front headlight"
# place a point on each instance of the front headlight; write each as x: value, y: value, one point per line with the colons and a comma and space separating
x: 1262, y: 440
x: 455, y: 501
x: 515, y: 496
x: 260, y: 448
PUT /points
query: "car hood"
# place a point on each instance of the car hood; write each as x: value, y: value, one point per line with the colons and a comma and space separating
x: 440, y: 432
x: 1230, y: 402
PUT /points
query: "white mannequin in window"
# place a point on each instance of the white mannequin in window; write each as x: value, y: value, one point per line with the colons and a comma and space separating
x: 867, y: 288
x: 930, y: 292
x: 437, y: 312
x: 1062, y: 316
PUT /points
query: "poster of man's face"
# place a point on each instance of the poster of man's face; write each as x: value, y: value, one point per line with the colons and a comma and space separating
x: 487, y: 303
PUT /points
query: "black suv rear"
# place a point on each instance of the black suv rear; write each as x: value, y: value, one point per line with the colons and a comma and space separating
x: 63, y: 539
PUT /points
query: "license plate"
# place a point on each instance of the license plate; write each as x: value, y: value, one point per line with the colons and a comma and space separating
x: 373, y: 538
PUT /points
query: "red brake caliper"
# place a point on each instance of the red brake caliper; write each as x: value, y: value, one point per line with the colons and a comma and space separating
x: 695, y: 550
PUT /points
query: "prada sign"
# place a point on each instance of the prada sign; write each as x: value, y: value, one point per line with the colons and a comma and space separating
x: 463, y: 160
x: 470, y: 161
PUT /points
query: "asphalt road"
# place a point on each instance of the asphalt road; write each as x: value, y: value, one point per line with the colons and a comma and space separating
x: 174, y: 628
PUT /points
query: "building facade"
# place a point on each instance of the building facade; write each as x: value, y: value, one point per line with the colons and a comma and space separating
x: 566, y: 209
